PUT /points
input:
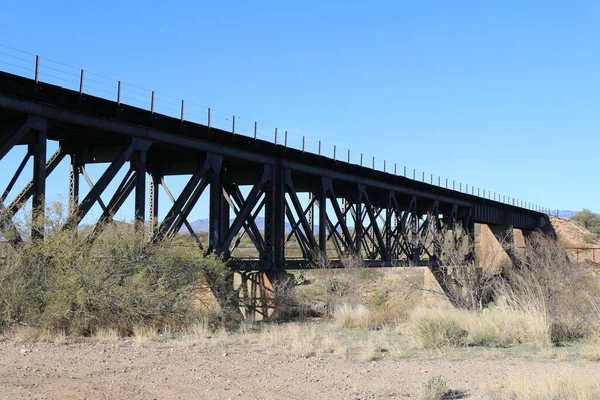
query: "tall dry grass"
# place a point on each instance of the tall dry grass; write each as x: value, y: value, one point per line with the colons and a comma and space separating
x: 545, y: 387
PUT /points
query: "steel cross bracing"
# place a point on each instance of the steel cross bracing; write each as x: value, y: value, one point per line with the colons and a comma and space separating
x: 309, y: 204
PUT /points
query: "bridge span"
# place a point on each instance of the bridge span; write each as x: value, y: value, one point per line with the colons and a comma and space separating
x: 308, y: 201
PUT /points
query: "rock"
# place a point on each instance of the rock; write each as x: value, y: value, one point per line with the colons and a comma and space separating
x: 24, y: 351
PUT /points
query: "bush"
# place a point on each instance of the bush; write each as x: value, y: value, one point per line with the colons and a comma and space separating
x: 433, y: 329
x: 65, y: 283
x: 435, y: 388
x: 589, y: 237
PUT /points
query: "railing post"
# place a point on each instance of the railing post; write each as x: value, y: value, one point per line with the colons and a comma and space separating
x: 182, y: 109
x: 334, y: 148
x: 286, y: 139
x: 361, y: 160
x: 37, y: 69
x: 319, y: 148
x: 423, y: 177
x: 348, y: 156
x: 152, y: 103
x: 81, y: 83
x: 255, y: 129
x: 119, y: 93
x: 303, y: 140
x: 404, y: 171
x: 373, y: 166
x: 384, y: 165
x: 395, y: 169
x: 276, y: 136
x: 208, y: 118
x: 233, y: 125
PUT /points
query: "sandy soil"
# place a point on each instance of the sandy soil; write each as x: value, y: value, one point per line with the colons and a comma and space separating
x: 173, y: 370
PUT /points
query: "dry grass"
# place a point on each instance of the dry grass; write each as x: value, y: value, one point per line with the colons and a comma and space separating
x: 368, y: 350
x: 591, y: 350
x: 353, y: 316
x: 57, y: 336
x: 23, y: 333
x: 549, y: 387
x: 432, y: 329
x: 145, y: 334
x: 501, y: 327
x: 303, y: 340
x: 106, y: 335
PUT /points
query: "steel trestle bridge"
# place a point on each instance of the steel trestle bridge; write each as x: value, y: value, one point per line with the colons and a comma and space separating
x: 307, y: 200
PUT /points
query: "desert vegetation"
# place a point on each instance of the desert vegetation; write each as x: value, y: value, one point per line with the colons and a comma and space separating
x: 121, y: 287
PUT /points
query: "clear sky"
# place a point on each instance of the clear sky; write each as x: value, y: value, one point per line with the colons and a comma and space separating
x: 500, y: 95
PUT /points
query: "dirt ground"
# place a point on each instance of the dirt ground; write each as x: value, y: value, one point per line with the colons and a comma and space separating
x: 176, y: 370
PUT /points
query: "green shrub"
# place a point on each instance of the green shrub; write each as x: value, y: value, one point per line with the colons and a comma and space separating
x: 589, y: 237
x: 435, y: 388
x: 65, y: 283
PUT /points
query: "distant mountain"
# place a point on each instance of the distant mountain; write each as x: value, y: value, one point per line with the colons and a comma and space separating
x: 566, y: 213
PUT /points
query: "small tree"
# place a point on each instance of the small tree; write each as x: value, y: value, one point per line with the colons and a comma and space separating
x: 587, y: 218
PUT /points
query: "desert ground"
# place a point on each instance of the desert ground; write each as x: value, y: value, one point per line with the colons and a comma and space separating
x: 244, y: 367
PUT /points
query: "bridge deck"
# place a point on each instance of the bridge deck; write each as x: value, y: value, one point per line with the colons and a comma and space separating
x: 104, y: 124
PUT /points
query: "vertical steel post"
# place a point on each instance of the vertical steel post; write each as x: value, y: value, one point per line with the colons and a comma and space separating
x: 119, y: 93
x: 216, y: 198
x: 303, y: 143
x: 322, y: 217
x: 233, y: 125
x: 73, y: 184
x: 334, y: 148
x: 395, y: 169
x: 140, y: 188
x: 182, y: 109
x: 154, y: 197
x: 319, y: 148
x: 373, y: 167
x: 81, y: 83
x: 275, y: 136
x: 286, y: 137
x: 404, y: 171
x: 348, y: 156
x: 152, y: 103
x: 361, y: 159
x: 255, y: 129
x: 38, y: 149
x: 37, y: 69
x: 208, y: 118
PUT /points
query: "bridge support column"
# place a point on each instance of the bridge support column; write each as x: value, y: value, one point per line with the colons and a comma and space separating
x: 493, y: 247
x: 154, y: 197
x: 73, y: 183
x: 275, y: 219
x: 218, y: 219
x: 322, y: 203
x: 38, y: 149
x: 140, y: 187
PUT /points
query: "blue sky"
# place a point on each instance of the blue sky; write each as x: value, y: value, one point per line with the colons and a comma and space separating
x: 503, y: 96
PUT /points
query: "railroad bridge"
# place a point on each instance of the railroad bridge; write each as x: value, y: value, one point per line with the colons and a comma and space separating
x: 308, y: 201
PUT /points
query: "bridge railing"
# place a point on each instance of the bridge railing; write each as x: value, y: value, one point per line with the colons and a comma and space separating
x: 28, y: 65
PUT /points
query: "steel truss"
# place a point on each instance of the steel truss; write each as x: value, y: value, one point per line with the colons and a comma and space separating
x: 307, y: 211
